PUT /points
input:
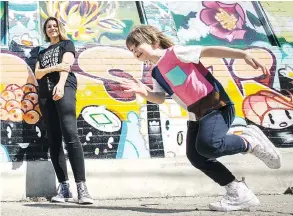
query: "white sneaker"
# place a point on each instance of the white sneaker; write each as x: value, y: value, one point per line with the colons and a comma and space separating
x: 64, y: 193
x: 83, y: 194
x: 238, y: 197
x: 261, y: 146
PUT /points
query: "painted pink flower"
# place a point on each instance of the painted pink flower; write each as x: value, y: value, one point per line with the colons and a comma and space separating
x: 226, y: 21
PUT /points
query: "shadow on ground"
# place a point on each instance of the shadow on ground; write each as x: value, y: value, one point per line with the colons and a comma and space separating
x: 144, y: 208
x: 115, y: 208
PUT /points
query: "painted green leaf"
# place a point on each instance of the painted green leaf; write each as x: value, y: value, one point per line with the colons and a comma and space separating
x: 179, y: 20
x: 2, y: 5
x: 253, y: 19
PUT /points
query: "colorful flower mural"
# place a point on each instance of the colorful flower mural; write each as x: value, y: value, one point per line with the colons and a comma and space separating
x: 86, y: 21
x: 226, y: 21
x: 116, y: 124
x: 217, y: 23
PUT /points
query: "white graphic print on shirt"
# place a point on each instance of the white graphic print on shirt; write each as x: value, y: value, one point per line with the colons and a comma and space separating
x: 50, y: 58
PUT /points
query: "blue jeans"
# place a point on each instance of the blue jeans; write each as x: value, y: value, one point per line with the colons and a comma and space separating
x: 207, y: 140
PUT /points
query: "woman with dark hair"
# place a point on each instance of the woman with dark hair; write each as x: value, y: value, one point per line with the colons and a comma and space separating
x: 57, y: 99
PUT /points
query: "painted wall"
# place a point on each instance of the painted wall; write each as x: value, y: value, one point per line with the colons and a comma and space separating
x: 3, y: 23
x: 280, y: 15
x: 217, y: 23
x: 264, y: 102
x: 115, y: 124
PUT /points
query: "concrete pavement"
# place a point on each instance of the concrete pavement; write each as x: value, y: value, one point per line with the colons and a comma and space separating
x: 271, y: 205
x: 144, y: 177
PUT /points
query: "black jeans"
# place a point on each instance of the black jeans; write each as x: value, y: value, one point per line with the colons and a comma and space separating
x: 207, y: 140
x: 60, y: 119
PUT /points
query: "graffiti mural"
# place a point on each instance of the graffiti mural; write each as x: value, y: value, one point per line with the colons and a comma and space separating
x: 22, y: 132
x: 113, y: 124
x: 18, y: 99
x: 217, y: 23
x: 257, y: 99
x: 280, y: 17
x: 23, y: 23
x: 102, y: 22
x: 101, y: 130
x: 107, y: 118
x: 3, y: 21
x: 159, y: 15
x: 174, y: 128
x: 265, y: 102
x: 4, y: 155
x: 98, y: 86
x: 132, y: 145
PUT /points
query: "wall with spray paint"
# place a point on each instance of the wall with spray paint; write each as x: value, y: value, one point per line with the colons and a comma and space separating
x: 280, y: 16
x: 3, y: 22
x: 263, y: 101
x: 217, y: 23
x: 108, y: 119
x: 116, y: 124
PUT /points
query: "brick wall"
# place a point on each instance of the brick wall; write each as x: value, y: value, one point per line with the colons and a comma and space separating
x: 281, y: 18
x: 264, y: 102
x: 115, y: 124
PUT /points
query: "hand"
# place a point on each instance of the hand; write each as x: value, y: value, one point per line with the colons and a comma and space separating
x: 256, y: 64
x: 135, y: 86
x: 58, y: 91
x: 63, y: 67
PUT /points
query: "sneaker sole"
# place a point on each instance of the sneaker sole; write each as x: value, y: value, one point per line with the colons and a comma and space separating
x: 58, y: 200
x: 244, y: 206
x: 69, y: 200
x: 85, y: 202
x: 268, y: 144
x: 62, y: 200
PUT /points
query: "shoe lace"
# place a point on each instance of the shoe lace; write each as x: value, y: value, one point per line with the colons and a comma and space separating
x: 63, y: 189
x: 232, y: 191
x: 82, y: 190
x: 229, y: 196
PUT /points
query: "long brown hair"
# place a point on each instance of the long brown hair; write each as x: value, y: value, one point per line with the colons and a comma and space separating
x: 148, y: 34
x: 61, y: 29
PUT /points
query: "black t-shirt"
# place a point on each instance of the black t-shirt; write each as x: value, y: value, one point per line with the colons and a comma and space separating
x: 52, y: 56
